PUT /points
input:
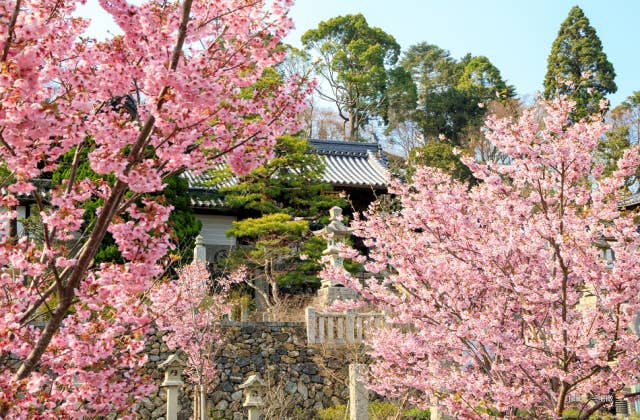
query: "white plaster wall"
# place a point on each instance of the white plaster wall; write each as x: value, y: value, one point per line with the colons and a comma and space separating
x: 21, y: 210
x: 214, y: 229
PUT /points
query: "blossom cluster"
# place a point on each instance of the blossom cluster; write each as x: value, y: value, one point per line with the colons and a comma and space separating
x: 497, y: 295
x: 176, y: 90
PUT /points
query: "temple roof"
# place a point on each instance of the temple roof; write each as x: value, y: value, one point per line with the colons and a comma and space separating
x: 630, y: 201
x: 353, y: 165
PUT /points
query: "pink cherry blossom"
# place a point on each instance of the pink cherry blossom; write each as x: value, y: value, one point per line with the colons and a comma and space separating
x: 185, y: 65
x: 497, y: 296
x: 191, y: 315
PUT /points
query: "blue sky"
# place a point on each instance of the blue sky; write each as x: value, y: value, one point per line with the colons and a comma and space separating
x: 515, y: 35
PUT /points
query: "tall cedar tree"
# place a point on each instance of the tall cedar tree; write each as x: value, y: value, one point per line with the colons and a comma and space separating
x: 578, y: 67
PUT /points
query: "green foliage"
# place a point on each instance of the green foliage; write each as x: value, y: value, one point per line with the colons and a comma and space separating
x: 265, y: 85
x: 290, y: 182
x: 625, y: 122
x: 285, y: 194
x: 578, y: 67
x: 304, y: 272
x: 336, y: 412
x: 452, y: 93
x: 402, y: 96
x: 378, y: 410
x: 268, y: 227
x: 355, y: 59
x: 437, y: 154
x: 612, y: 147
x: 431, y: 67
x: 481, y: 75
x: 416, y: 413
x: 184, y: 225
x: 450, y: 112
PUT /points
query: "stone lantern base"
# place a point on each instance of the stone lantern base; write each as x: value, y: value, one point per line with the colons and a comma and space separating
x: 328, y: 295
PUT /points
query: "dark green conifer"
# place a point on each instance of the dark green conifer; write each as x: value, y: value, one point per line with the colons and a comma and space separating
x: 578, y: 67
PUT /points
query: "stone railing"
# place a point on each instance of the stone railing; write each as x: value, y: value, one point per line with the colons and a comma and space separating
x: 341, y: 327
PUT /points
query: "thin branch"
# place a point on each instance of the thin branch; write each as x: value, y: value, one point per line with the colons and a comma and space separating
x: 10, y: 31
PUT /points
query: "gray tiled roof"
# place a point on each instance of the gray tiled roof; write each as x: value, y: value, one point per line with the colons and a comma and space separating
x: 352, y: 164
x: 203, y: 182
x: 630, y: 201
x: 347, y: 165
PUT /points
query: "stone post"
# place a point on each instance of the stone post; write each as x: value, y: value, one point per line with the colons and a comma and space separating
x: 437, y: 414
x: 350, y: 326
x: 172, y: 381
x: 200, y: 251
x: 358, y: 394
x: 310, y: 316
x: 253, y: 387
x: 244, y: 311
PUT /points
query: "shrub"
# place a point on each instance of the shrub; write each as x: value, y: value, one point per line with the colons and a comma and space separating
x: 378, y: 410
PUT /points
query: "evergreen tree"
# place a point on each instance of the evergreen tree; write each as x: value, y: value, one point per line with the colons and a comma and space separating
x: 440, y: 154
x: 625, y: 125
x: 287, y: 197
x: 578, y: 67
x: 355, y: 61
x: 290, y: 182
x: 452, y: 94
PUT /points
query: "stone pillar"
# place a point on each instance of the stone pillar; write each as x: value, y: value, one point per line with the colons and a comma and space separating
x: 244, y: 311
x: 173, y: 382
x: 358, y: 394
x: 200, y: 251
x: 437, y: 414
x: 310, y: 316
x: 350, y: 326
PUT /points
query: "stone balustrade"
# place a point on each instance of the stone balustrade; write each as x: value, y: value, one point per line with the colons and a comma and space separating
x: 337, y: 328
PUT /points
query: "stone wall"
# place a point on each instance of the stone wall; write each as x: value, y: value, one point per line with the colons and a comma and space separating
x: 300, y: 379
x: 154, y: 406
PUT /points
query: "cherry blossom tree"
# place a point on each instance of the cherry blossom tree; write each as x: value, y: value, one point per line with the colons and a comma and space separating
x: 192, y: 69
x: 498, y: 299
x: 191, y: 315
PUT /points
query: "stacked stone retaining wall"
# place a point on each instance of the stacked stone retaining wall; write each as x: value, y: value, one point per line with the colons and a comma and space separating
x: 300, y: 378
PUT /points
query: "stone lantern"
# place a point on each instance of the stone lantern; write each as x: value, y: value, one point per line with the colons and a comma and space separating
x: 253, y: 387
x: 335, y: 233
x: 200, y: 250
x: 172, y: 381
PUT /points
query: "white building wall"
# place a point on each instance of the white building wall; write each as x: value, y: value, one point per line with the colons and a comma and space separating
x: 4, y: 227
x: 214, y: 236
x: 214, y: 229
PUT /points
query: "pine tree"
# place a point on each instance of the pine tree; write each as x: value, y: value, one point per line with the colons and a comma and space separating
x: 288, y: 198
x: 578, y: 67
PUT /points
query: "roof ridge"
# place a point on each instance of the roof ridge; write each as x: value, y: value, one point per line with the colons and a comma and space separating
x: 348, y: 142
